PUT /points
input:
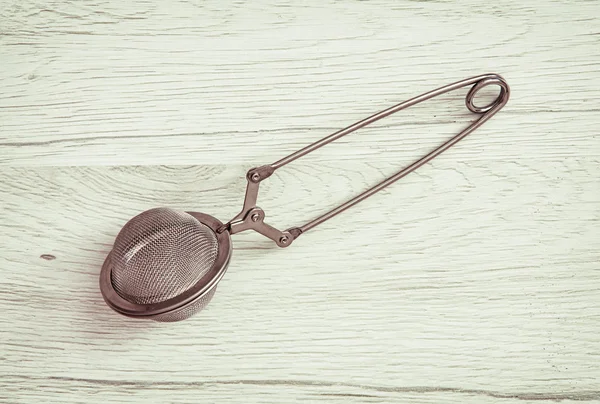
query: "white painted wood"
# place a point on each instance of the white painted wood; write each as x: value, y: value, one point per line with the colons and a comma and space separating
x: 473, y: 280
x: 147, y: 83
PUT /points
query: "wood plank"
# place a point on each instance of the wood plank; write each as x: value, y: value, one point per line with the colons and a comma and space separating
x: 479, y: 285
x: 189, y: 84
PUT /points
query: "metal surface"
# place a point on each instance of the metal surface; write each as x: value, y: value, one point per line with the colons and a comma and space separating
x: 165, y: 264
x: 188, y: 310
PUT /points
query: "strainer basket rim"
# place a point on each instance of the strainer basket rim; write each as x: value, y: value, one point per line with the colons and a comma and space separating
x: 203, y: 286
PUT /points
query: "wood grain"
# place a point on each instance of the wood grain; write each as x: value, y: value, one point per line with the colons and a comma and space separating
x: 502, y: 304
x: 146, y: 83
x: 473, y: 280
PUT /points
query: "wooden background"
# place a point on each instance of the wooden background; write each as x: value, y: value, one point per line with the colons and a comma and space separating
x: 474, y: 280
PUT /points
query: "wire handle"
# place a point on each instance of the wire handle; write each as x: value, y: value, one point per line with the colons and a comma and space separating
x: 252, y: 217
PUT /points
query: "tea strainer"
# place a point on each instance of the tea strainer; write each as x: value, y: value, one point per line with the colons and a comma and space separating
x: 165, y: 264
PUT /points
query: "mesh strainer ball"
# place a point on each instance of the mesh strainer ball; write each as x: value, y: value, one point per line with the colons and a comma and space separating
x: 165, y: 264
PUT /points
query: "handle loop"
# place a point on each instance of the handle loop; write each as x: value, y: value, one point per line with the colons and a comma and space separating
x: 252, y: 217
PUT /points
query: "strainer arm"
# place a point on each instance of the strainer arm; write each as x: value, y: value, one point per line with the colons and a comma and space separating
x: 252, y: 217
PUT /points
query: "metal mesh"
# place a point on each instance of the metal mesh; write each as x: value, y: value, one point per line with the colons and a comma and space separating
x: 160, y: 254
